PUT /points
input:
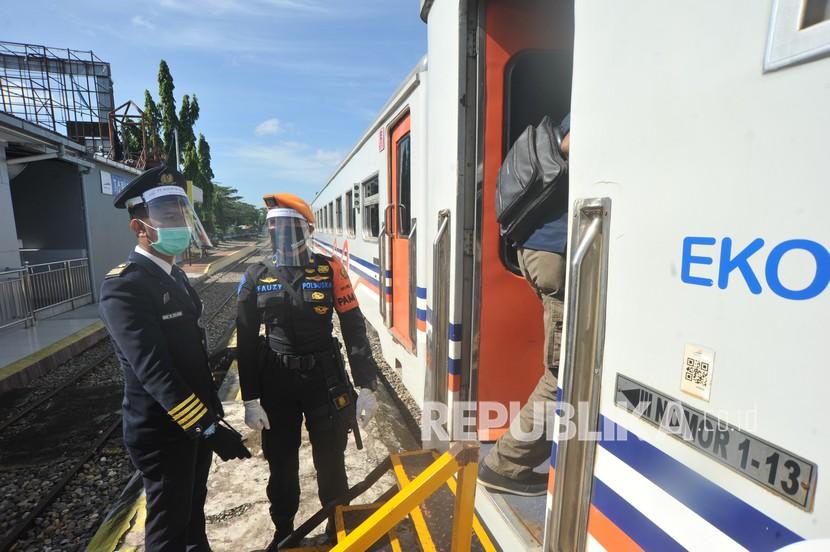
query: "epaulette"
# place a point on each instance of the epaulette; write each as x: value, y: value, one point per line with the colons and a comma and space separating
x: 117, y: 270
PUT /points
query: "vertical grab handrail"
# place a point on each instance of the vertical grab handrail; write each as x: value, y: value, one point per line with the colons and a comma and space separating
x: 382, y: 270
x: 581, y: 375
x: 413, y: 281
x: 438, y: 324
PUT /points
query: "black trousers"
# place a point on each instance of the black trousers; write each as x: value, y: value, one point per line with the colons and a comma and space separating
x: 175, y: 482
x: 287, y: 397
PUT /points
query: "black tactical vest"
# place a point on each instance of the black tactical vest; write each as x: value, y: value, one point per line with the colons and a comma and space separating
x: 296, y: 305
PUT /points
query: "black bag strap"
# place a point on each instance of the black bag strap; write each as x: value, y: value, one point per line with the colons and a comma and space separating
x: 282, y: 279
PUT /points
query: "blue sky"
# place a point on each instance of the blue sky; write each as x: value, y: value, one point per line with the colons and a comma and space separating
x: 286, y: 87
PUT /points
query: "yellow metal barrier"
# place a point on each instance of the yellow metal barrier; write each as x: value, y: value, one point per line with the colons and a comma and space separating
x: 462, y: 458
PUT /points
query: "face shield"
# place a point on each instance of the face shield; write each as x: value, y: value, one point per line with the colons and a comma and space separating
x: 290, y: 233
x: 171, y: 216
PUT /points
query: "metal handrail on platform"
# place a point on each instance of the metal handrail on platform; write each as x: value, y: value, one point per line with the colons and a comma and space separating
x: 24, y: 292
x: 14, y: 299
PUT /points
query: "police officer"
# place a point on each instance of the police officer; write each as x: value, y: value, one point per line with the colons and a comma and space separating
x: 296, y: 371
x: 171, y: 409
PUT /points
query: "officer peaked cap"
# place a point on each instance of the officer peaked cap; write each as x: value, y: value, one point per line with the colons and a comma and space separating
x: 149, y: 179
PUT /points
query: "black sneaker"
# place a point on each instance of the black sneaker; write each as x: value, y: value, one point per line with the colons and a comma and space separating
x: 535, y: 484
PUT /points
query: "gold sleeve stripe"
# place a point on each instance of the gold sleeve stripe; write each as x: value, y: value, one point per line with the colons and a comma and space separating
x: 189, y: 416
x: 195, y: 418
x: 188, y: 411
x: 179, y: 407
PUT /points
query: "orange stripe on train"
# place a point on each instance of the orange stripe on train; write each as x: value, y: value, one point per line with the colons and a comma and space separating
x: 601, y: 528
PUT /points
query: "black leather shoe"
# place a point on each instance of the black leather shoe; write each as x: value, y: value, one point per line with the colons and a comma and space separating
x: 283, y: 530
x: 535, y: 484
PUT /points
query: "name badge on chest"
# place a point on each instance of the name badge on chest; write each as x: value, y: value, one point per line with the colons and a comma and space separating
x: 171, y: 315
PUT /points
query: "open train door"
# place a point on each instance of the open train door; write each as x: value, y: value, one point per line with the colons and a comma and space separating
x: 525, y: 53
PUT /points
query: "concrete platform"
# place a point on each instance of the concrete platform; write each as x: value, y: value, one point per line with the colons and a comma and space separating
x: 26, y: 353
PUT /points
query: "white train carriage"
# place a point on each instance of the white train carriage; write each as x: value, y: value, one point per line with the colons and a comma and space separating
x: 697, y: 302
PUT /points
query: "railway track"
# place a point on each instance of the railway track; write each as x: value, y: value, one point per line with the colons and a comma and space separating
x: 47, y: 437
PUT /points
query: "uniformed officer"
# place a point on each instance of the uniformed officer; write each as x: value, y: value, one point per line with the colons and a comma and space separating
x: 171, y: 409
x: 296, y: 371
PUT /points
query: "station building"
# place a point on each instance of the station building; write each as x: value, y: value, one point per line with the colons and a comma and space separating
x: 56, y: 210
x: 64, y: 155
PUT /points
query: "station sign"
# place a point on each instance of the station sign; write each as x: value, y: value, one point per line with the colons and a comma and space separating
x: 788, y: 475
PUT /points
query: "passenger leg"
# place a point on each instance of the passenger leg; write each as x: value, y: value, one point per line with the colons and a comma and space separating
x: 509, y: 464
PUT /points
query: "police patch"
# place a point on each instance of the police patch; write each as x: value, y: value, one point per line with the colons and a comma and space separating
x: 321, y: 310
x: 318, y: 295
x: 317, y: 285
x: 323, y: 268
x: 268, y: 280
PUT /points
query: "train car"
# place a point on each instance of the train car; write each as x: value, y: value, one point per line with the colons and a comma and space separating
x: 696, y: 302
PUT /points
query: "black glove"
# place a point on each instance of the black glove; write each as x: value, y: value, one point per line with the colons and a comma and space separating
x: 227, y: 443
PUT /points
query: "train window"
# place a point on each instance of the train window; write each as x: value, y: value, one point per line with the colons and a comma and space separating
x: 815, y: 12
x: 404, y: 187
x: 338, y: 214
x: 371, y: 207
x: 350, y: 214
x: 798, y: 33
x: 537, y: 83
x: 331, y: 216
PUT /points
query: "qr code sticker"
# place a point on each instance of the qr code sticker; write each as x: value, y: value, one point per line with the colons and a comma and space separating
x: 697, y: 371
x: 696, y: 376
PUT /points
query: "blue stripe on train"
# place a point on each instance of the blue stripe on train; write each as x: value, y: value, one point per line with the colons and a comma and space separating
x: 630, y: 520
x: 357, y: 269
x: 455, y: 332
x: 729, y: 514
x: 749, y: 527
x: 625, y: 516
x: 352, y: 257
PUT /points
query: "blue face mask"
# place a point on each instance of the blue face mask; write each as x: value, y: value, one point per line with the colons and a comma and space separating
x: 172, y: 241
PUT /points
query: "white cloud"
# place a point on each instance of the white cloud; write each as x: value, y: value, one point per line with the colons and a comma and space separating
x: 293, y: 162
x: 248, y: 7
x: 268, y: 127
x: 140, y: 21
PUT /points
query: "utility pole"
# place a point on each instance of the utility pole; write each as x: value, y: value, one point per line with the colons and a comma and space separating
x: 176, y: 137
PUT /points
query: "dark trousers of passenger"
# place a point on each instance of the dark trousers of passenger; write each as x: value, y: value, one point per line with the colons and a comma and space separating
x: 287, y: 397
x: 175, y: 482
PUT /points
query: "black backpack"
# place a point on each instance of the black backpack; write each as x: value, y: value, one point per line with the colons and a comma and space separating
x: 528, y: 179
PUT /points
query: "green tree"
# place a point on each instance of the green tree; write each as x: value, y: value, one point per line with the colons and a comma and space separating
x: 152, y: 122
x: 188, y: 115
x: 231, y: 213
x: 204, y: 180
x: 167, y: 108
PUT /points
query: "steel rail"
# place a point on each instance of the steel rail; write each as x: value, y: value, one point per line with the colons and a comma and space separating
x: 11, y: 538
x: 63, y: 385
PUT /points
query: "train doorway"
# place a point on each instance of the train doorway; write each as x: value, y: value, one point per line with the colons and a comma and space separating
x: 401, y: 227
x: 527, y: 62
